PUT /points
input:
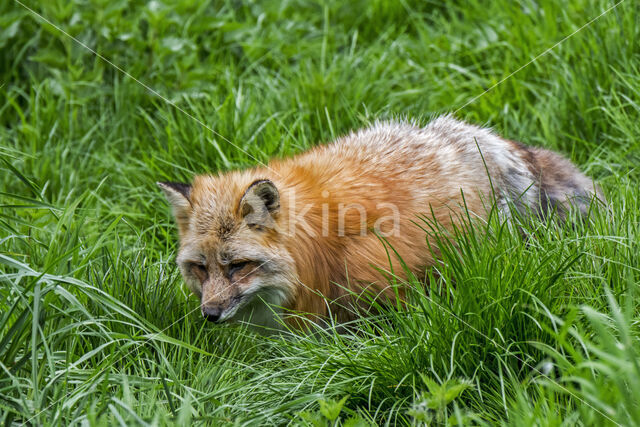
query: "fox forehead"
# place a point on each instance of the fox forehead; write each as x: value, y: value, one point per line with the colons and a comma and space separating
x: 219, y: 223
x: 220, y: 238
x: 213, y: 212
x: 216, y: 200
x: 210, y: 248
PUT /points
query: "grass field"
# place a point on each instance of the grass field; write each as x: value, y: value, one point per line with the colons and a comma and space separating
x: 96, y: 326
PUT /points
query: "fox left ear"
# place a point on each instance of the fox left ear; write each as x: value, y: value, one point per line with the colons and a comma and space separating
x: 259, y: 203
x: 178, y: 195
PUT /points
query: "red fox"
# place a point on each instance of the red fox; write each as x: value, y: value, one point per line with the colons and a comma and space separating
x: 305, y: 231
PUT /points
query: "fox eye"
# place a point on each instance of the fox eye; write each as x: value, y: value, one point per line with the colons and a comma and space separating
x: 199, y: 270
x: 234, y: 267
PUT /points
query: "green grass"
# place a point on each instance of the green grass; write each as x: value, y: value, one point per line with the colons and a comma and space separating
x: 95, y: 324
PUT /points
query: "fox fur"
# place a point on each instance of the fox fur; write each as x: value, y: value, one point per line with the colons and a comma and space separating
x: 303, y: 234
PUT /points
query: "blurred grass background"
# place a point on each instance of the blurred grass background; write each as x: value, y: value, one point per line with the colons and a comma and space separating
x: 92, y: 308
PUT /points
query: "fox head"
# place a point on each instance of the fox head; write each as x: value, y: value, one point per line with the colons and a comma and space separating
x: 231, y: 251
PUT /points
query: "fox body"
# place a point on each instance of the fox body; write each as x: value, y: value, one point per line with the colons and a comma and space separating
x: 305, y: 232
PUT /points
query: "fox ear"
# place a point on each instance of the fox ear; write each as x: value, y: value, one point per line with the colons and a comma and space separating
x: 259, y: 203
x: 178, y: 196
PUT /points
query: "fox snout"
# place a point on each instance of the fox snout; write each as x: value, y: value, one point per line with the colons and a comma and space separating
x: 212, y: 313
x: 217, y: 298
x: 219, y: 311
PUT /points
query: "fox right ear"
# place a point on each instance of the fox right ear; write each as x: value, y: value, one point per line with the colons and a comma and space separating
x: 178, y: 195
x: 259, y: 202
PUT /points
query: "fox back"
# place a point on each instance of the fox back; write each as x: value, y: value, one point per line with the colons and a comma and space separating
x: 304, y: 233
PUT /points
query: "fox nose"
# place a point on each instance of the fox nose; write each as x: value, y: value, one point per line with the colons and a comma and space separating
x: 212, y: 314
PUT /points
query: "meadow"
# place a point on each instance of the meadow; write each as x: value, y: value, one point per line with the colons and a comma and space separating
x: 99, y: 99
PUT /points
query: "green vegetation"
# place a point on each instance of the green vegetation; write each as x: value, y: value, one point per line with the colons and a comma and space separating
x: 95, y: 324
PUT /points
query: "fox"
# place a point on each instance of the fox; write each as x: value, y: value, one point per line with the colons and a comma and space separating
x: 307, y: 233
